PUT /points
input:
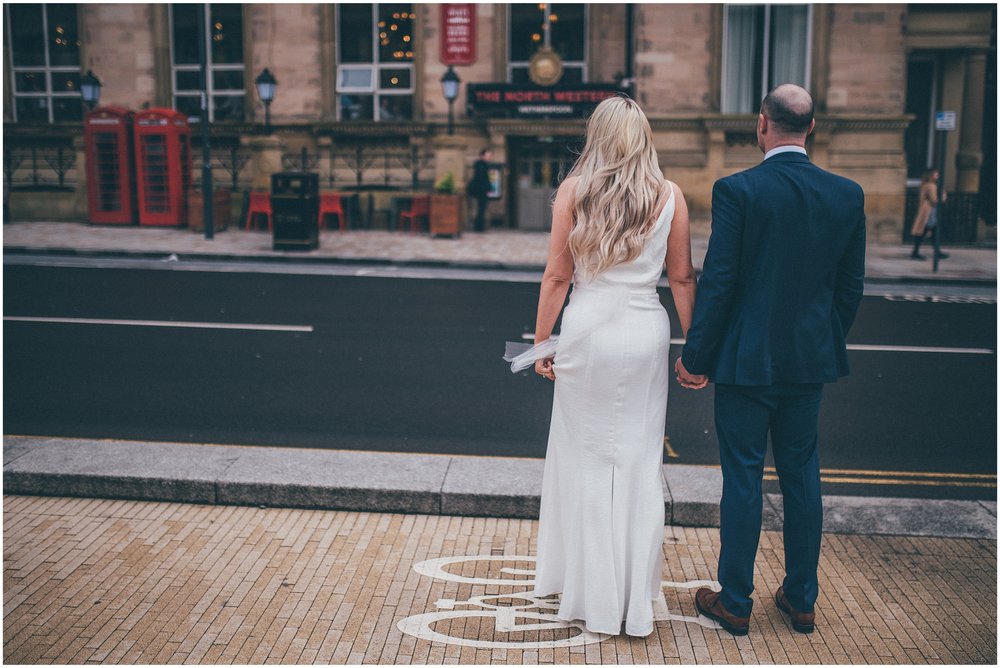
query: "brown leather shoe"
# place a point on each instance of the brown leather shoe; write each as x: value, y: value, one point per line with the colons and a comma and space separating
x: 803, y: 622
x: 707, y: 602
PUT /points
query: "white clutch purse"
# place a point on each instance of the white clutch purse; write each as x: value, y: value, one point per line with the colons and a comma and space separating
x: 523, y: 355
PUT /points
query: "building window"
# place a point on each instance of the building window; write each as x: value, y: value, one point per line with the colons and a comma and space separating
x: 375, y: 75
x: 567, y: 32
x: 224, y: 48
x: 45, y: 62
x: 763, y: 46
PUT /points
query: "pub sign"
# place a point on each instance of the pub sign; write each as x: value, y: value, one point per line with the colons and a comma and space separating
x: 458, y: 34
x: 515, y: 101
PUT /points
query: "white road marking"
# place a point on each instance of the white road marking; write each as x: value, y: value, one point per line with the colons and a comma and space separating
x: 919, y: 349
x: 165, y: 323
x: 530, y: 336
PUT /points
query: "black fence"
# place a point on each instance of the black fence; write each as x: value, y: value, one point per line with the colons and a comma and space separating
x: 958, y: 216
x: 367, y: 165
x: 228, y: 162
x: 39, y: 164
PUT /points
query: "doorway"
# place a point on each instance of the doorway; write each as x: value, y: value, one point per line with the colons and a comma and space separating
x: 538, y: 166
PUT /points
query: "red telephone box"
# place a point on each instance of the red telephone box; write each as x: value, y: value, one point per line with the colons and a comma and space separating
x: 108, y: 146
x: 163, y: 166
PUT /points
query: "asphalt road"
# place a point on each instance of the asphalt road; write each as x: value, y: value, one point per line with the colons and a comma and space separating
x: 413, y: 364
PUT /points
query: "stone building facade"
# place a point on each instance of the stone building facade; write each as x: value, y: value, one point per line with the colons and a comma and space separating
x: 365, y: 108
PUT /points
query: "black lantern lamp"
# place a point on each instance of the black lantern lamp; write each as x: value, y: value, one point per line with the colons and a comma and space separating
x: 450, y: 83
x: 90, y: 89
x: 266, y: 85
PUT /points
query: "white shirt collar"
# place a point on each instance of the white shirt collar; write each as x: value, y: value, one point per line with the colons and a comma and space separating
x: 785, y: 149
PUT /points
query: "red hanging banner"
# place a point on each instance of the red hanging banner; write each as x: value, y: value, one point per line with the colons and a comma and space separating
x: 458, y: 34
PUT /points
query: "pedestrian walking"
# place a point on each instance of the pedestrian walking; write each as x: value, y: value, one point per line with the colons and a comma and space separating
x: 926, y: 220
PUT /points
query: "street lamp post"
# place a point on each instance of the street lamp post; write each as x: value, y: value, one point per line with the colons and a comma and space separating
x: 206, y: 152
x: 266, y: 85
x: 450, y: 83
x: 90, y: 89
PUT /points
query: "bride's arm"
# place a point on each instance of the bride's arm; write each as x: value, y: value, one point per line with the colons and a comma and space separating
x: 680, y: 272
x: 558, y: 270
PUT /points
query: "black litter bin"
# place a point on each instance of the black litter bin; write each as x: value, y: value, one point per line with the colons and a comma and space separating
x: 295, y: 207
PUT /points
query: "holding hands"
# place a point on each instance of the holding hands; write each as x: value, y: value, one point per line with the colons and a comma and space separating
x: 688, y: 380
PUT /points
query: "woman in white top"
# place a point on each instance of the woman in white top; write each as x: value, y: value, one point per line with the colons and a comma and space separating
x: 615, y: 222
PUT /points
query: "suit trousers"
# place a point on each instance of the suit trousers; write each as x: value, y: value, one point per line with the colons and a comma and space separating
x: 744, y: 416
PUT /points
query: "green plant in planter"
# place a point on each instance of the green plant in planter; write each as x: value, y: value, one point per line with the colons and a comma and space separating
x: 446, y: 184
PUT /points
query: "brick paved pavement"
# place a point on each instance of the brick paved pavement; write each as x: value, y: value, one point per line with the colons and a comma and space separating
x: 89, y: 580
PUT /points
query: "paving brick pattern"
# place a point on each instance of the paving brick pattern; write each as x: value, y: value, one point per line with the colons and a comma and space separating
x: 88, y: 580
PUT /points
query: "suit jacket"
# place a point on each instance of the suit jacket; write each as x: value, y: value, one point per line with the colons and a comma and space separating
x: 783, y: 276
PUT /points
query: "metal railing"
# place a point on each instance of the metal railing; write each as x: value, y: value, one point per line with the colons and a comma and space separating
x: 366, y: 165
x: 228, y: 162
x: 39, y: 165
x: 958, y: 216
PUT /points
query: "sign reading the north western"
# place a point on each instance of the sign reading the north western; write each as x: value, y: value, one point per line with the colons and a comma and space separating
x: 458, y: 34
x: 511, y: 100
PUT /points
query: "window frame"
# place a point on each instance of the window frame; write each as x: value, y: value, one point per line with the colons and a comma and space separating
x: 47, y: 68
x: 375, y: 67
x: 766, y: 56
x: 582, y: 64
x: 211, y: 69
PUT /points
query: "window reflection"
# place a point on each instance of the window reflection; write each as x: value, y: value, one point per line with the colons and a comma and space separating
x: 567, y: 25
x: 375, y: 55
x: 44, y: 51
x: 224, y: 52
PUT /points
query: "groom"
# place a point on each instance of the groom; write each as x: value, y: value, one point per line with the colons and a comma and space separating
x: 782, y: 281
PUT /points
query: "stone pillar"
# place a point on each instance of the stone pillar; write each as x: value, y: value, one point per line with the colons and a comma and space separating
x: 450, y: 153
x: 820, y: 153
x: 715, y: 164
x: 265, y: 159
x: 970, y: 146
x: 80, y: 210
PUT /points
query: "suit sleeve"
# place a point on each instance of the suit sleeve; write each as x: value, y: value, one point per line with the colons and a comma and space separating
x: 717, y: 286
x: 850, y: 283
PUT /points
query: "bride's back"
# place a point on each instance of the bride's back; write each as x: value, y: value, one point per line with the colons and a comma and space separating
x: 617, y: 186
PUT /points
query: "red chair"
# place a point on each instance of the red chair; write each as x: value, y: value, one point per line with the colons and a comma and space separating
x: 260, y: 205
x: 420, y: 207
x: 331, y: 205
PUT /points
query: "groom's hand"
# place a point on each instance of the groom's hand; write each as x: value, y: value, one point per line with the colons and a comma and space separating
x: 688, y: 380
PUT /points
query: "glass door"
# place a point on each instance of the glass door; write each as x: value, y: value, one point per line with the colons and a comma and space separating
x: 539, y: 166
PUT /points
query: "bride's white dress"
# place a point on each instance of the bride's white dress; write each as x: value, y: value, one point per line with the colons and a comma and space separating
x: 600, y: 535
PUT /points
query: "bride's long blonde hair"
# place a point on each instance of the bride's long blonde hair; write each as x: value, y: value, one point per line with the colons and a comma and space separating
x: 619, y: 184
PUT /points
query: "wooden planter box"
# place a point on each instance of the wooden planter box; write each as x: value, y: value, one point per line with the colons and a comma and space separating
x: 221, y: 210
x: 447, y: 215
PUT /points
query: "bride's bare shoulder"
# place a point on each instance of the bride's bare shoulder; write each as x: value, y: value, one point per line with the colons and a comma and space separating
x: 569, y: 184
x: 566, y: 194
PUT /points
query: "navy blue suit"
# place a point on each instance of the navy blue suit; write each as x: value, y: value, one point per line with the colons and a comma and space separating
x: 781, y: 284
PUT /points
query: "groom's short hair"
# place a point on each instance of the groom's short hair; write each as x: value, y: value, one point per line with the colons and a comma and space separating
x: 790, y: 108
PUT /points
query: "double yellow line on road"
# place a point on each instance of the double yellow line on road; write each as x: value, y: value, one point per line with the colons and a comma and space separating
x: 918, y: 478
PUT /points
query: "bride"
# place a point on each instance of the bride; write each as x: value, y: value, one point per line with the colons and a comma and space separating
x: 615, y: 222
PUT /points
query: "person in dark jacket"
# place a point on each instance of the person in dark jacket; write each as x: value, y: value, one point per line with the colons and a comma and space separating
x: 479, y: 187
x: 782, y: 282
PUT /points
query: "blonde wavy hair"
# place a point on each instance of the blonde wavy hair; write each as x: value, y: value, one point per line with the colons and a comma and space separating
x: 618, y: 187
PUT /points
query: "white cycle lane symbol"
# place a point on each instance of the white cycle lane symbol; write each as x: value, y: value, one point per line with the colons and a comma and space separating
x: 526, y: 612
